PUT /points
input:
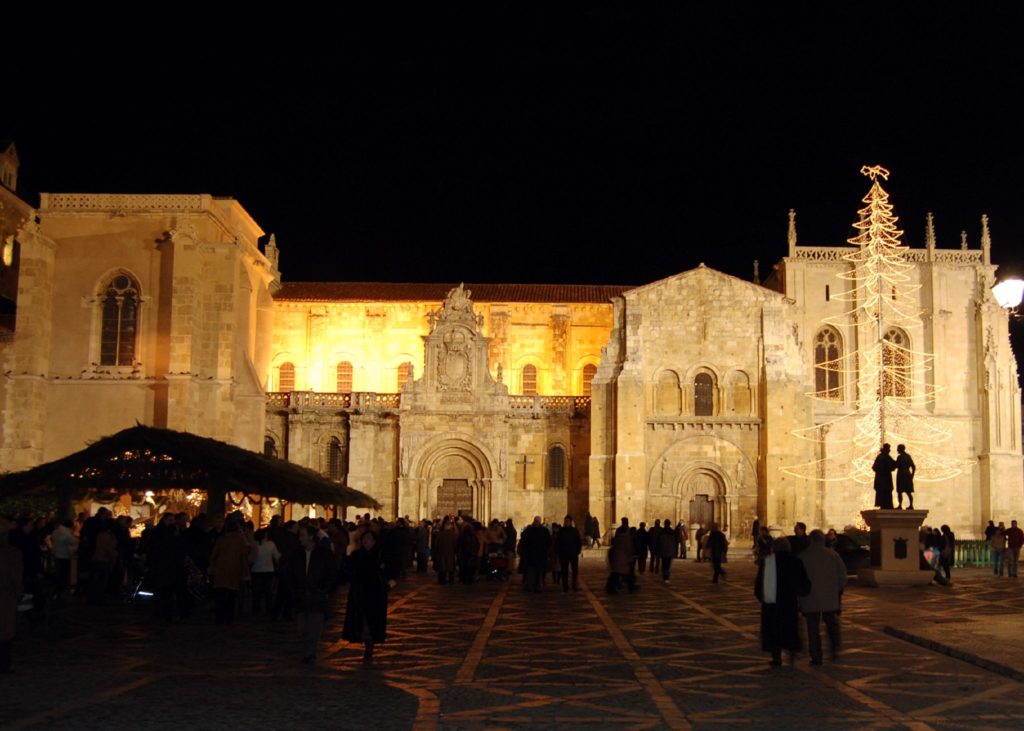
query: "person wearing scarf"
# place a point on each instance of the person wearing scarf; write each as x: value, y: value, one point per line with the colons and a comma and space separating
x: 781, y: 579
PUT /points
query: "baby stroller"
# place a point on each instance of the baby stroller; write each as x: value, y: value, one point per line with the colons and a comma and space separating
x: 497, y: 563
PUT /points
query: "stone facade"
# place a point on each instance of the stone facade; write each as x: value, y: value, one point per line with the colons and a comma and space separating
x: 453, y: 438
x: 678, y: 399
x: 152, y: 308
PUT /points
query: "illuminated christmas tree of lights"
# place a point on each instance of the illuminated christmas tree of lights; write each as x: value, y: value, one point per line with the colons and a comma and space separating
x: 892, y: 392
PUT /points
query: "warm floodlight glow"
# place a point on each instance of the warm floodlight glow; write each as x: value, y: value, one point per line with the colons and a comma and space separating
x: 891, y: 388
x: 1008, y: 293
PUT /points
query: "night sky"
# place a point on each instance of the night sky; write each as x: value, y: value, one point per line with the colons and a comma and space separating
x: 603, y: 147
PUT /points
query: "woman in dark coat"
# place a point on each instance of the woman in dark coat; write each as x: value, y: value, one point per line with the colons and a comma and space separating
x: 444, y: 552
x: 366, y: 614
x: 781, y: 578
x: 469, y: 553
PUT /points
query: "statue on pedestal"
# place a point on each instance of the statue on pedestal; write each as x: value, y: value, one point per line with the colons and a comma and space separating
x: 883, y: 466
x: 905, y: 470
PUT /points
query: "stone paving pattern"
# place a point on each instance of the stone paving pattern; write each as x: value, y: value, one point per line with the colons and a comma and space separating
x: 678, y: 655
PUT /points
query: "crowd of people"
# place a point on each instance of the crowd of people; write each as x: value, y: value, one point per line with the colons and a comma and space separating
x: 291, y: 570
x: 1004, y: 547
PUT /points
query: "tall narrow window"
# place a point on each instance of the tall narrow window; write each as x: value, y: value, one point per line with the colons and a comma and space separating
x: 897, y: 367
x: 556, y: 467
x: 286, y: 377
x: 589, y: 371
x: 703, y: 395
x: 529, y: 380
x: 827, y: 361
x: 344, y: 377
x: 403, y: 375
x: 120, y: 324
x: 334, y: 459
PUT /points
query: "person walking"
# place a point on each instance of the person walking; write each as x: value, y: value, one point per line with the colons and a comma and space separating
x: 718, y: 544
x: 310, y: 575
x: 641, y: 545
x: 781, y: 581
x: 1014, y: 541
x: 468, y: 547
x: 366, y: 613
x: 264, y: 569
x: 12, y: 567
x: 569, y: 545
x: 682, y: 535
x: 653, y: 535
x: 621, y: 561
x: 595, y: 534
x: 444, y: 552
x: 997, y: 545
x: 63, y: 543
x: 229, y: 566
x: 827, y: 574
x: 948, y: 554
x: 799, y: 540
x: 668, y: 544
x: 533, y: 548
x: 165, y: 566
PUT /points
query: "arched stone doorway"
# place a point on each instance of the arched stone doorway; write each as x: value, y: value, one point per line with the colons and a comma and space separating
x: 697, y: 495
x: 454, y: 475
x: 702, y: 498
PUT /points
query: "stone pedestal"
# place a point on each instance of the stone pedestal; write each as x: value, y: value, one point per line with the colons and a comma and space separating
x: 895, y: 549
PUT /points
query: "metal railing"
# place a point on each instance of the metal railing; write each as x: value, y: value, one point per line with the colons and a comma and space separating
x: 972, y: 553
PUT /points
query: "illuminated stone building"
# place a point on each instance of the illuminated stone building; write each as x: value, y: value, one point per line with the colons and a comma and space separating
x: 135, y: 308
x: 676, y: 399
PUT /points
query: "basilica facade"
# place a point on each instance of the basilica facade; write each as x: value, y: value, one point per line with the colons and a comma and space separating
x: 677, y: 399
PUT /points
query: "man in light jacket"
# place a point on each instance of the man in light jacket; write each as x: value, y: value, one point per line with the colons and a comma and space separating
x: 827, y: 573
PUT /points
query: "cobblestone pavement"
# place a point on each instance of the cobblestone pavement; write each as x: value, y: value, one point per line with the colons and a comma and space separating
x: 678, y: 655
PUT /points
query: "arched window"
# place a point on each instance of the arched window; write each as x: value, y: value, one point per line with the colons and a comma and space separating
x: 739, y: 393
x: 120, y: 321
x: 897, y: 366
x: 703, y: 395
x: 556, y: 467
x: 269, y: 447
x: 668, y: 394
x: 828, y: 353
x: 587, y: 377
x: 286, y: 377
x: 404, y: 371
x: 529, y: 380
x: 344, y: 377
x: 333, y: 460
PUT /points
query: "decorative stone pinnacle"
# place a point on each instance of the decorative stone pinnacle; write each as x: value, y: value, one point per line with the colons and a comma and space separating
x: 792, y: 232
x: 963, y: 241
x: 929, y: 231
x: 757, y: 272
x: 986, y: 240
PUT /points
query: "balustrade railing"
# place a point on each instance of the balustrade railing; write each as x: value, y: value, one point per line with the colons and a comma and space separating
x: 944, y: 256
x: 972, y: 553
x: 367, y: 401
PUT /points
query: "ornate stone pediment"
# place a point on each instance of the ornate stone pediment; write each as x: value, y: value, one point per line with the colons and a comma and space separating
x: 455, y: 375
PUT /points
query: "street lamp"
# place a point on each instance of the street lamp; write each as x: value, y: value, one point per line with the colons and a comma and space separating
x: 1008, y: 293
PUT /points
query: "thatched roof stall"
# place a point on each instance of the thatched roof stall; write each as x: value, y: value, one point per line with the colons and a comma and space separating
x: 146, y: 458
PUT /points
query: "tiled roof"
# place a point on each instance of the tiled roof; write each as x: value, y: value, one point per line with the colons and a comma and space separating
x: 435, y: 292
